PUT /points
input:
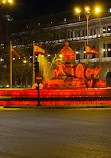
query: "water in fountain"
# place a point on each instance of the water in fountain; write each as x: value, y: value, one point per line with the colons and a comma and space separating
x: 44, y: 67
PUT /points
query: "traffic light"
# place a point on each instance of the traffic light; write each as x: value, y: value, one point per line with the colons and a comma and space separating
x: 36, y: 66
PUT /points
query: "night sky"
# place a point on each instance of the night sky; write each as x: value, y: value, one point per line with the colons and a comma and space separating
x: 36, y: 8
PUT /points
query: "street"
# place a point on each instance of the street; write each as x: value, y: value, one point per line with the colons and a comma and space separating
x: 55, y: 133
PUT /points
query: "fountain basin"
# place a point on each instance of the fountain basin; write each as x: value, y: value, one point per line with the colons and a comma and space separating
x: 55, y: 96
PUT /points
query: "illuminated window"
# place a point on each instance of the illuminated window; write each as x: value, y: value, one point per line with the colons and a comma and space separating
x: 104, y: 30
x: 1, y: 59
x: 109, y: 50
x: 109, y: 29
x: 104, y: 50
x: 65, y: 20
x: 84, y: 52
x: 110, y: 10
x: 93, y: 55
x: 77, y: 53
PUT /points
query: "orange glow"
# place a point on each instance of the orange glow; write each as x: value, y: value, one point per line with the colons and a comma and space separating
x: 60, y: 55
x: 67, y: 53
x: 59, y: 69
x: 34, y: 103
x: 77, y: 10
x: 97, y: 10
x: 56, y: 96
x: 24, y: 61
x: 68, y: 75
x: 87, y: 9
x: 10, y: 1
x: 4, y: 1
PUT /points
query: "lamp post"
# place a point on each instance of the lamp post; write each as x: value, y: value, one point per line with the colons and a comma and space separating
x: 9, y: 2
x: 87, y: 13
x: 4, y: 5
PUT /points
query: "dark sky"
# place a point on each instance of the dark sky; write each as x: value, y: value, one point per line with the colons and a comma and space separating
x: 35, y: 8
x: 30, y: 8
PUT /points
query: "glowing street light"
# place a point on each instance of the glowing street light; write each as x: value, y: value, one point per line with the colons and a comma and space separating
x: 77, y: 10
x: 86, y: 9
x: 4, y: 1
x: 24, y: 61
x: 87, y: 13
x: 60, y: 55
x: 7, y: 1
x: 97, y: 10
x: 10, y: 1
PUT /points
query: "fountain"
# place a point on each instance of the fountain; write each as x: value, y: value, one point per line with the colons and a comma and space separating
x: 71, y: 84
x: 69, y: 76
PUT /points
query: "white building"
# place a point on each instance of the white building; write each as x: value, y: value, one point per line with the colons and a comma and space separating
x: 99, y: 36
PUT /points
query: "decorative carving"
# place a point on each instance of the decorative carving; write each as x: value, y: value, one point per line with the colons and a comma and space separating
x: 59, y: 70
x: 79, y: 71
x: 96, y: 71
x: 99, y: 83
x: 90, y: 83
x: 68, y: 53
x: 66, y: 76
x: 88, y: 72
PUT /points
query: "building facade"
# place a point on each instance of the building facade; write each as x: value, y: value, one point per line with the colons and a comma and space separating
x: 99, y: 36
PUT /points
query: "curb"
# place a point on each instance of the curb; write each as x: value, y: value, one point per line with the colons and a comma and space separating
x: 78, y: 106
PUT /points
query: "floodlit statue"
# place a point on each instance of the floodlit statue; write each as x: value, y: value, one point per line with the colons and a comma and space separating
x: 68, y: 75
x: 59, y: 70
x: 68, y: 53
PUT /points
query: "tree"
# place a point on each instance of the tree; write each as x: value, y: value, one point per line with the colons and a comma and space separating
x: 22, y: 68
x: 22, y: 72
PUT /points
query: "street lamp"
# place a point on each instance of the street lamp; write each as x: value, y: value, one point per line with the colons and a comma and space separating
x: 60, y: 55
x: 5, y: 1
x: 25, y: 61
x: 87, y: 12
x: 10, y: 1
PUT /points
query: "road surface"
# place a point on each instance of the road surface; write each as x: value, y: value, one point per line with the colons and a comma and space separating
x: 55, y: 133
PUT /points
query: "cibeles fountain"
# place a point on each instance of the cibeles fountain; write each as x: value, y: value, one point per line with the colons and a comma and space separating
x: 71, y: 85
x: 69, y: 75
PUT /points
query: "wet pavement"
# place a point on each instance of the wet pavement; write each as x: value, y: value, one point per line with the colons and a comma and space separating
x: 55, y: 133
